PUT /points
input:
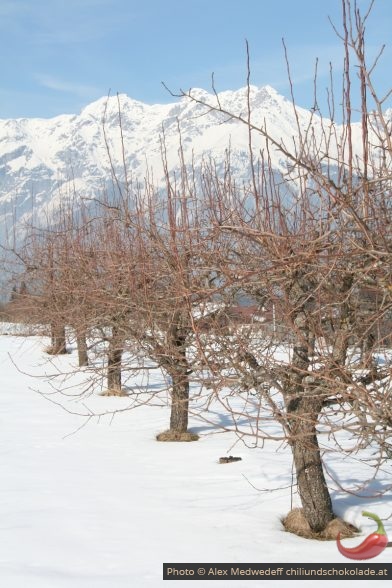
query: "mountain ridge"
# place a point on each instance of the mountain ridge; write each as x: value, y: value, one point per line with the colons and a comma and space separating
x: 44, y: 160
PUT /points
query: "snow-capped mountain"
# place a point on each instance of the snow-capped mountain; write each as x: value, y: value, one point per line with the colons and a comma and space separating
x: 44, y: 160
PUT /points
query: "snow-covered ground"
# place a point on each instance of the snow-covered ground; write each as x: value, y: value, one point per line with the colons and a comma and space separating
x: 104, y: 505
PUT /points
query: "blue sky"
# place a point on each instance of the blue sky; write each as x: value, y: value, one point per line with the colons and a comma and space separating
x: 57, y: 56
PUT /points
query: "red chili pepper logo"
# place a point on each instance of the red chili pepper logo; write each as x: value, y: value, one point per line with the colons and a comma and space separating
x: 372, y: 546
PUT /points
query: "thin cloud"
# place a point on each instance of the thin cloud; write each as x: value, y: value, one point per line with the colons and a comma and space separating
x: 52, y: 83
x: 63, y: 23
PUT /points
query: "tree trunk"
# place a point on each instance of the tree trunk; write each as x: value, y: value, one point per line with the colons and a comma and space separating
x: 82, y: 349
x: 304, y: 404
x: 179, y: 401
x: 58, y: 340
x: 114, y: 368
x: 312, y: 488
x: 115, y: 352
x: 179, y: 371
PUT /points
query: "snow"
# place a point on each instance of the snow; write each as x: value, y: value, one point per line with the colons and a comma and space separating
x: 67, y: 154
x: 101, y: 504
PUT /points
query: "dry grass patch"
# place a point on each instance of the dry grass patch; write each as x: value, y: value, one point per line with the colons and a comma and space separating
x: 114, y: 392
x: 175, y: 436
x: 295, y: 522
x: 53, y: 351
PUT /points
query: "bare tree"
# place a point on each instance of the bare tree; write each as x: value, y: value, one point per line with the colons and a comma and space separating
x: 162, y: 284
x: 310, y: 244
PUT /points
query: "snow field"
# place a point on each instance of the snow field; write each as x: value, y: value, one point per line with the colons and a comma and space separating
x: 104, y: 506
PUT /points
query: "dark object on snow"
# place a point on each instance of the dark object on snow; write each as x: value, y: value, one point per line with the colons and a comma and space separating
x: 229, y: 459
